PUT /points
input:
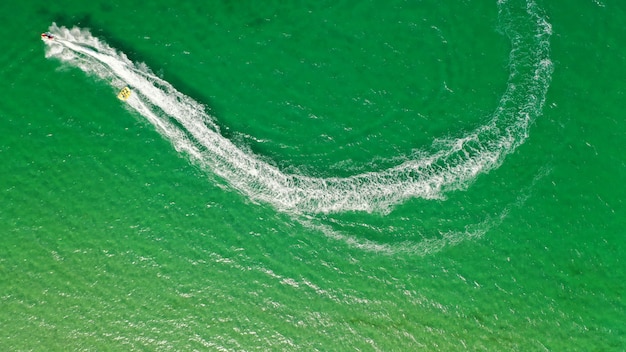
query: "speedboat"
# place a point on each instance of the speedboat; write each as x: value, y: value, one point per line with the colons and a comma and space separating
x: 47, y: 36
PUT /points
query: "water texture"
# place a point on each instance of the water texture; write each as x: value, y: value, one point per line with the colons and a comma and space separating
x: 384, y: 176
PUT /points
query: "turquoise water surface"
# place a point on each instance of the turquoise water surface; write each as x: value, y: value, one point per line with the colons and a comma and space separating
x: 374, y: 175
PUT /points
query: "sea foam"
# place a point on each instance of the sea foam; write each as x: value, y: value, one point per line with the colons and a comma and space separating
x: 454, y: 163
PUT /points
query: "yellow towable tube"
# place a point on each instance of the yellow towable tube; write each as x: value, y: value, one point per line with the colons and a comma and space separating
x: 124, y: 94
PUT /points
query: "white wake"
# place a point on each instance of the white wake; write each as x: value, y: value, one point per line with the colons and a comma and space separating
x: 453, y: 165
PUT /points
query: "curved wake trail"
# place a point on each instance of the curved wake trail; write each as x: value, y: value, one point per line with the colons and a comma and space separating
x: 453, y: 165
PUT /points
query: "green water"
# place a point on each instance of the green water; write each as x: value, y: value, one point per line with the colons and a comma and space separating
x: 114, y: 240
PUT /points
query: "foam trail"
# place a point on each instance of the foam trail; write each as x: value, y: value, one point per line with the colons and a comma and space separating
x: 453, y: 165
